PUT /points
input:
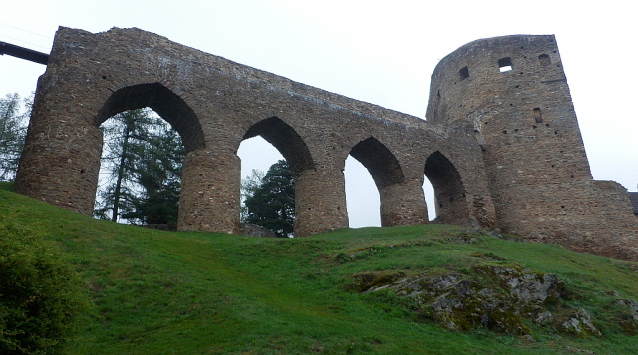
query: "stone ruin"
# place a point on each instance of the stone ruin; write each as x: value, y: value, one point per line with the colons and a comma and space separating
x: 501, y: 144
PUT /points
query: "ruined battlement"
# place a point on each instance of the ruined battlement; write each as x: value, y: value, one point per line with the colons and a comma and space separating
x: 501, y: 145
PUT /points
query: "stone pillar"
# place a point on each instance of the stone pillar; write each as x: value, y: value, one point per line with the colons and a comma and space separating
x: 320, y: 201
x: 403, y: 204
x: 60, y: 162
x: 209, y: 200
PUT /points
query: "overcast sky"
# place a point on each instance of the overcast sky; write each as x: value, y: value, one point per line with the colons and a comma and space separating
x: 382, y: 52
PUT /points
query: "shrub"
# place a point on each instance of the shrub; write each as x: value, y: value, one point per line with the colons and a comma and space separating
x: 40, y: 294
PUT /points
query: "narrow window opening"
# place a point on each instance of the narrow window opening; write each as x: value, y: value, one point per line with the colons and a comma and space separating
x: 505, y: 64
x: 544, y: 59
x: 479, y: 139
x: 464, y: 73
x: 538, y: 118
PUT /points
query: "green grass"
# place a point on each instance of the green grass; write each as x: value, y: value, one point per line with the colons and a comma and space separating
x: 159, y: 292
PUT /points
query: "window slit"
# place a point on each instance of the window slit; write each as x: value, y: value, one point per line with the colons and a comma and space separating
x: 538, y: 118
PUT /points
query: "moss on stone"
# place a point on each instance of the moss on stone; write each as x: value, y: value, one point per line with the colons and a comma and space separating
x: 501, y: 298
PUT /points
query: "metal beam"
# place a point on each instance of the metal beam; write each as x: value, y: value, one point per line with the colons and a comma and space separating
x: 23, y: 53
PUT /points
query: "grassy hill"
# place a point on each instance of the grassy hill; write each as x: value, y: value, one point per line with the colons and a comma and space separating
x: 156, y: 292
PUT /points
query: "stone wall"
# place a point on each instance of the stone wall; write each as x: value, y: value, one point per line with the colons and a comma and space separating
x: 512, y: 94
x: 215, y: 104
x: 501, y: 149
x: 254, y: 230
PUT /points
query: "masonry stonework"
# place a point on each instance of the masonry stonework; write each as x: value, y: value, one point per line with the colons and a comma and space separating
x: 502, y: 149
x: 512, y: 93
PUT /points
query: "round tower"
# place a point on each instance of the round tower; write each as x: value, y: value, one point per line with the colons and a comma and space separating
x: 512, y: 94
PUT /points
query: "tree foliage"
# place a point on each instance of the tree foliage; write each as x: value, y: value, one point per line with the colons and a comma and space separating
x: 14, y: 113
x: 142, y: 162
x: 249, y: 186
x: 41, y: 297
x: 272, y: 203
x: 158, y: 173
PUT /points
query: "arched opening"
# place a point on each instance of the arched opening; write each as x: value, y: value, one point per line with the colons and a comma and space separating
x: 286, y: 141
x: 164, y: 102
x: 257, y: 157
x: 140, y: 171
x: 159, y: 129
x: 265, y: 144
x: 428, y: 192
x: 386, y: 173
x: 449, y: 193
x: 257, y: 154
x: 362, y: 196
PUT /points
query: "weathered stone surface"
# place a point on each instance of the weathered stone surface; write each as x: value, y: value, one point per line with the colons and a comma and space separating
x: 544, y: 317
x: 502, y: 299
x: 629, y: 315
x: 512, y: 94
x: 215, y: 104
x: 581, y: 324
x: 495, y: 298
x: 632, y: 308
x: 502, y: 149
x: 254, y: 230
x: 526, y: 285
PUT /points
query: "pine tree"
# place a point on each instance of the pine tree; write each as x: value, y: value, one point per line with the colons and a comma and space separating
x: 12, y: 133
x: 143, y: 160
x: 249, y: 186
x: 272, y: 204
x: 158, y: 172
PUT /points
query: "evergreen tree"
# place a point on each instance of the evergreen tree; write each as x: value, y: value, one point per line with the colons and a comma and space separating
x: 121, y: 133
x: 158, y: 173
x: 249, y: 185
x: 272, y: 205
x: 12, y: 133
x: 143, y: 159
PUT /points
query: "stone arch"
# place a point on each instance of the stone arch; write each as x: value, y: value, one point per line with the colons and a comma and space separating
x: 449, y: 192
x: 287, y: 141
x: 401, y: 199
x: 163, y: 101
x: 308, y: 209
x: 200, y: 167
x: 380, y: 162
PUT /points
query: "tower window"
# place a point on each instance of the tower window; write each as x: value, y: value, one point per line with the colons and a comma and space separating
x: 505, y: 64
x: 537, y: 115
x: 544, y: 59
x: 464, y: 73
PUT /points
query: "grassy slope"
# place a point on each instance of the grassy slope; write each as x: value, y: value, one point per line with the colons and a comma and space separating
x: 203, y: 293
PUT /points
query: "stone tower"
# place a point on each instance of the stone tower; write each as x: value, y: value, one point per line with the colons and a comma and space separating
x: 512, y: 94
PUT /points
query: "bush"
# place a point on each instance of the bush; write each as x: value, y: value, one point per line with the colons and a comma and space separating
x: 40, y: 294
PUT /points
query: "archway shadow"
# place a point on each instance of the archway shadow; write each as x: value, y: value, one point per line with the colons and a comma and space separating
x: 449, y: 192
